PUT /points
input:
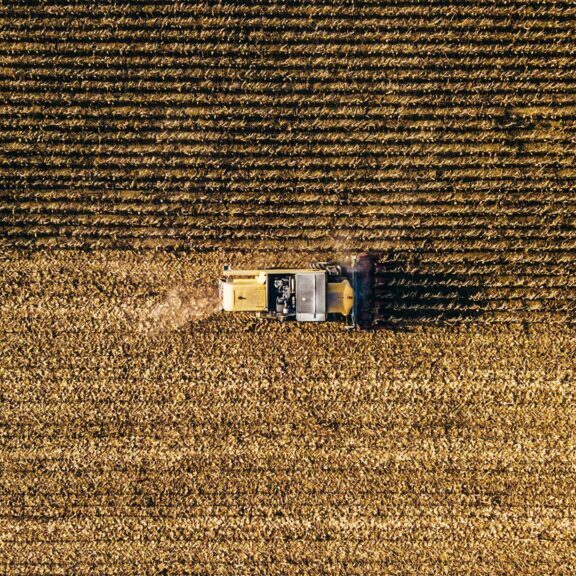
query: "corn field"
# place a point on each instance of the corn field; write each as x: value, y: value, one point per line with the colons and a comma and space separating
x: 143, y: 145
x: 446, y: 132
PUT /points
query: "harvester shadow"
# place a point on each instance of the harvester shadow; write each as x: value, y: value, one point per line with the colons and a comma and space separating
x: 406, y: 294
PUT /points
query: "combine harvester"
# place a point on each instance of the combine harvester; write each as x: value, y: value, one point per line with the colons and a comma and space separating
x: 325, y: 291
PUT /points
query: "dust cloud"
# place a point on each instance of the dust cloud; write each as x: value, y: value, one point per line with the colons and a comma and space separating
x: 180, y: 306
x: 341, y: 247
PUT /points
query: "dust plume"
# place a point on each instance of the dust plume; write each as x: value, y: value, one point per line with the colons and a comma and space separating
x: 180, y: 306
x: 341, y: 246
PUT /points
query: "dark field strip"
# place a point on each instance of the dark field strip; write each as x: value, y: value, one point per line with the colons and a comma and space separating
x: 206, y: 38
x: 256, y: 88
x: 297, y: 10
x: 166, y: 47
x: 271, y: 33
x: 159, y: 73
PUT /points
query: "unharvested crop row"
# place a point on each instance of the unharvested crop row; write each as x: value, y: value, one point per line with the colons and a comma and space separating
x: 515, y: 214
x: 407, y: 126
x: 256, y: 236
x: 208, y: 90
x: 489, y: 163
x: 352, y: 202
x: 316, y: 173
x: 85, y: 133
x: 258, y: 127
x: 215, y: 47
x: 472, y: 225
x: 271, y: 151
x: 542, y: 187
x: 445, y: 132
x: 304, y: 117
x: 65, y: 70
x: 216, y: 101
x: 286, y: 62
x: 210, y: 38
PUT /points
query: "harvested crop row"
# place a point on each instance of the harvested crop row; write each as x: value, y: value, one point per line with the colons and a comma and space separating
x: 138, y: 435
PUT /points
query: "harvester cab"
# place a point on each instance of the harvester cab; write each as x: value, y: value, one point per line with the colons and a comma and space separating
x: 325, y: 291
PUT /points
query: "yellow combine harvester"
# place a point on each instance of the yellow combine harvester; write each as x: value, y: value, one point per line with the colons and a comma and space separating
x: 324, y: 291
